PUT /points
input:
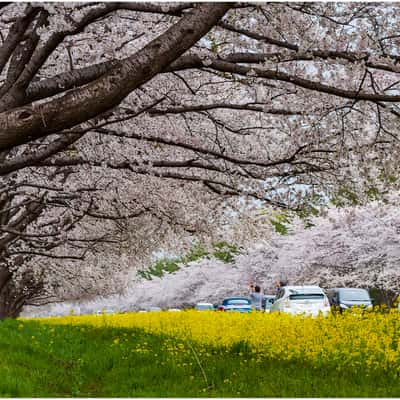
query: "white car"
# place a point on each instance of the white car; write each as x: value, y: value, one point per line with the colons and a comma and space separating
x: 204, y: 307
x: 105, y: 311
x: 308, y: 300
x: 153, y: 309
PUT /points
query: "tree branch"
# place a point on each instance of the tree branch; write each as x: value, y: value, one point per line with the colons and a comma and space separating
x: 223, y: 66
x: 258, y: 107
x: 21, y: 125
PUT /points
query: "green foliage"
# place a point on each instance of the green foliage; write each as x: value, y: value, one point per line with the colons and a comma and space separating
x: 306, y: 214
x: 221, y: 250
x: 197, y: 252
x: 37, y: 360
x: 214, y: 46
x: 373, y: 193
x: 280, y: 221
x: 160, y: 267
x: 225, y: 252
x: 213, y: 41
x: 345, y: 197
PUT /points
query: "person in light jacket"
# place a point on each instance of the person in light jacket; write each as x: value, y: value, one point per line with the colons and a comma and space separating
x: 256, y: 297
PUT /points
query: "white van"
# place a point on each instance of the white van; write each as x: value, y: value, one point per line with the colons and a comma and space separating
x: 308, y: 300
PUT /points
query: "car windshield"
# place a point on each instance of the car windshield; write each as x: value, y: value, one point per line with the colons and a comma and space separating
x: 354, y: 295
x: 237, y: 302
x: 305, y: 295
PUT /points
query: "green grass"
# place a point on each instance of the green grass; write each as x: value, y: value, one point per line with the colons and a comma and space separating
x: 222, y: 251
x: 72, y: 361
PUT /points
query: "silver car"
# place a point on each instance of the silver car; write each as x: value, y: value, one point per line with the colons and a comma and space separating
x: 347, y: 298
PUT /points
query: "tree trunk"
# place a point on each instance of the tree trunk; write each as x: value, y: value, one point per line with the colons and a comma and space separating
x: 9, y: 308
x: 10, y: 301
x: 17, y: 292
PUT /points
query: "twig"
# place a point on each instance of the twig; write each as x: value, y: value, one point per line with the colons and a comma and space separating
x: 199, y: 364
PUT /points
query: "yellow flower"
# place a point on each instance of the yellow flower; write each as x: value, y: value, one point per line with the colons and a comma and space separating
x: 374, y: 341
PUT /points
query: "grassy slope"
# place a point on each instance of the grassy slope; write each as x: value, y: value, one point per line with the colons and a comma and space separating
x: 65, y: 361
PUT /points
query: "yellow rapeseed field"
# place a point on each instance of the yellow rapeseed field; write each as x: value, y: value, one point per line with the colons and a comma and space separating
x: 368, y: 342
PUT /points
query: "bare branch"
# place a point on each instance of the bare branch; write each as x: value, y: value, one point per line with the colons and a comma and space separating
x: 204, y: 107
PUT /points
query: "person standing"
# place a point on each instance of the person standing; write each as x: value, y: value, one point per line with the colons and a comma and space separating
x: 279, y: 284
x: 256, y: 297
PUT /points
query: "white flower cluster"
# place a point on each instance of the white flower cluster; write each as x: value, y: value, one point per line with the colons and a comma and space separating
x: 351, y: 246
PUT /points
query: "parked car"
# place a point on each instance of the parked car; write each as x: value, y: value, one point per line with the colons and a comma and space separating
x: 347, y: 298
x: 105, y: 311
x: 267, y: 302
x: 239, y: 304
x: 308, y: 300
x: 204, y: 307
x: 154, y: 308
x: 149, y: 309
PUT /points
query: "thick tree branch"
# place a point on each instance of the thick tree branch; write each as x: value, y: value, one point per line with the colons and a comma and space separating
x: 62, y: 82
x: 36, y: 157
x: 16, y: 34
x: 21, y: 125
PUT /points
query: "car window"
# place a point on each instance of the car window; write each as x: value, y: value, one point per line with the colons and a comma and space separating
x: 237, y: 302
x: 306, y: 296
x: 354, y: 295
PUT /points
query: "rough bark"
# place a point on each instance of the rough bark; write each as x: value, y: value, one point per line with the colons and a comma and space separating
x: 24, y: 124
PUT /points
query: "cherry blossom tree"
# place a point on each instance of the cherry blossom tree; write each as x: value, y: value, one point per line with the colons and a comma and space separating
x: 347, y: 247
x: 42, y: 206
x: 129, y: 122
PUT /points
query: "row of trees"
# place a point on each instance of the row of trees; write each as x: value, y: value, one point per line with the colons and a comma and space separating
x: 346, y: 247
x: 123, y: 124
